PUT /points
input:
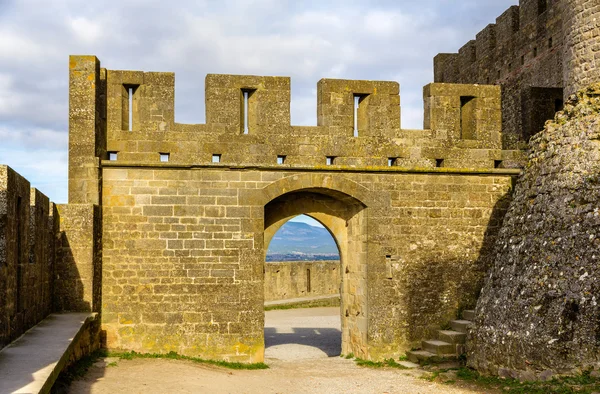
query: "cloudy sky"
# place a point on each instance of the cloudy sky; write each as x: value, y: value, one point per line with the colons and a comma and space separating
x: 377, y: 39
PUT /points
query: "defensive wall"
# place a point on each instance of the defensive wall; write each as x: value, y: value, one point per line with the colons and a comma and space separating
x: 539, y: 52
x: 298, y: 279
x: 27, y: 241
x: 188, y: 210
x: 39, y: 245
x: 523, y: 53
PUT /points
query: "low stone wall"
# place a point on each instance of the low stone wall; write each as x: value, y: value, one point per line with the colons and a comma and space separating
x: 296, y: 279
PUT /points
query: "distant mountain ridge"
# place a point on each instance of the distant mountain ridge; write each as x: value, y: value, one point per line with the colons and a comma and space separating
x: 303, y: 241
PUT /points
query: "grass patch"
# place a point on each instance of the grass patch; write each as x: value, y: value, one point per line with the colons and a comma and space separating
x: 581, y: 384
x: 306, y: 304
x: 389, y: 362
x: 349, y: 356
x: 174, y: 356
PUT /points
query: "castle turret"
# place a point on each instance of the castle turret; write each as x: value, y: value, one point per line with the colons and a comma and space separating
x: 581, y: 29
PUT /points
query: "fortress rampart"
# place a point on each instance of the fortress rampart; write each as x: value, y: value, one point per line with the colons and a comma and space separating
x: 582, y: 44
x: 49, y: 256
x: 539, y: 52
x: 458, y: 134
x: 297, y: 279
x: 188, y: 210
x: 521, y: 52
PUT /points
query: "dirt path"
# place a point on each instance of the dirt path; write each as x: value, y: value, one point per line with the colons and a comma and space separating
x: 302, y: 348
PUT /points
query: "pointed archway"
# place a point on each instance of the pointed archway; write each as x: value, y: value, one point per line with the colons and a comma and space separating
x: 344, y: 217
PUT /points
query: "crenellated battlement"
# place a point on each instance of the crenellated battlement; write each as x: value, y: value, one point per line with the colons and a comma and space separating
x: 248, y: 123
x: 533, y: 51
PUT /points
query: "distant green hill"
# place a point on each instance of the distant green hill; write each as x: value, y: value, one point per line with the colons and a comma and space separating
x: 304, y: 241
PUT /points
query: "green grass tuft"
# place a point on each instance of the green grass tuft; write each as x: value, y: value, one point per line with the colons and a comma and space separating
x: 174, y: 356
x: 305, y: 304
x: 390, y: 362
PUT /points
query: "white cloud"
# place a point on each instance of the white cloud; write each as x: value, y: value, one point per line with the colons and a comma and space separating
x: 86, y: 30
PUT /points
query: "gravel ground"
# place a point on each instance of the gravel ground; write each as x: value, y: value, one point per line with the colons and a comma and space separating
x: 302, y: 348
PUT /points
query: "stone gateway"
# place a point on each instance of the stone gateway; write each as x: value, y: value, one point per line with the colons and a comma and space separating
x: 188, y: 211
x: 167, y: 226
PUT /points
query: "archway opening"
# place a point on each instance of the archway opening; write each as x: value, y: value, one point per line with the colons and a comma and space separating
x: 302, y: 280
x: 343, y: 219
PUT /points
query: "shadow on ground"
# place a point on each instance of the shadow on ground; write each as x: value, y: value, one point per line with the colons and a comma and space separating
x: 328, y: 340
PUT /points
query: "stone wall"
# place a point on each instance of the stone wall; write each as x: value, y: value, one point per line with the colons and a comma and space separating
x: 183, y: 253
x: 582, y: 44
x: 538, y: 311
x: 523, y: 53
x: 50, y: 256
x: 187, y: 210
x: 28, y: 227
x: 78, y: 270
x: 296, y: 279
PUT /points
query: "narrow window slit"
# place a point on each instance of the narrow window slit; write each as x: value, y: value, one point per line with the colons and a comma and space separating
x: 497, y: 163
x: 248, y: 111
x: 130, y: 108
x: 129, y: 117
x: 388, y: 267
x: 392, y: 161
x: 246, y: 94
x: 330, y: 160
x: 216, y: 158
x: 112, y: 156
x: 439, y: 163
x: 280, y: 159
x: 360, y: 114
x: 164, y: 157
x: 356, y: 104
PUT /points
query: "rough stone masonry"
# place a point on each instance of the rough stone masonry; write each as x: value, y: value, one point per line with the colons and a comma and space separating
x: 538, y: 311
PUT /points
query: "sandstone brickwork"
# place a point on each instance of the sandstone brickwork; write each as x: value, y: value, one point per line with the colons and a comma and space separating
x: 78, y: 266
x: 188, y: 211
x: 297, y: 279
x: 538, y: 311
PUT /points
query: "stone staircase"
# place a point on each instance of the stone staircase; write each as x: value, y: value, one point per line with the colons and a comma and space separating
x: 449, y: 343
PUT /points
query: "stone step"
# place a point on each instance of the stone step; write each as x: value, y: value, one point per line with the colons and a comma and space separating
x: 425, y: 357
x: 450, y: 336
x: 408, y: 364
x: 460, y: 325
x: 438, y: 348
x: 418, y: 356
x: 468, y: 314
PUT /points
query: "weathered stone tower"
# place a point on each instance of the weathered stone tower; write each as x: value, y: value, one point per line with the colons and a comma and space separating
x: 581, y: 51
x: 537, y: 314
